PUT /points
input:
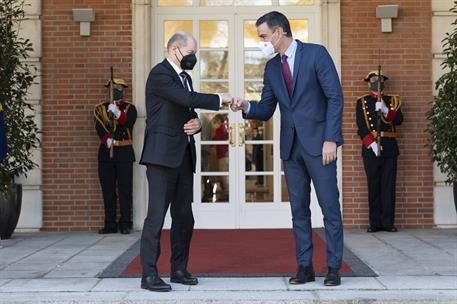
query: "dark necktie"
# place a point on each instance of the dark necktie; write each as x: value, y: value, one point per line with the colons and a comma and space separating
x: 185, y: 83
x: 184, y: 80
x: 286, y: 74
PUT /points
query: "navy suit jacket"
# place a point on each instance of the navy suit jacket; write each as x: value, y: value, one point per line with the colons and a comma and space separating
x: 315, y: 108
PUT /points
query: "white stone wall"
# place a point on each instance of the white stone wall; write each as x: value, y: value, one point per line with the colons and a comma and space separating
x: 141, y: 24
x: 31, y: 218
x: 444, y: 211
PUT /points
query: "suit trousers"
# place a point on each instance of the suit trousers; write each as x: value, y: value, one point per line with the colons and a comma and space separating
x: 168, y: 187
x: 300, y: 169
x: 381, y: 177
x: 110, y: 175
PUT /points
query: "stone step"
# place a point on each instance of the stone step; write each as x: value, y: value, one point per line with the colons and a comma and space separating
x: 395, y: 290
x: 367, y: 297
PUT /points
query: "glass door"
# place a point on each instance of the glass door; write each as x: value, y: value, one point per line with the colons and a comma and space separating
x: 215, y: 200
x: 239, y: 180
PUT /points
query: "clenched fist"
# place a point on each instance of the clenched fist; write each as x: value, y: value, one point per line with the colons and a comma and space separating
x: 239, y: 104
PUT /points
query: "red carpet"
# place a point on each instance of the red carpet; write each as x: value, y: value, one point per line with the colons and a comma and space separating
x: 239, y: 252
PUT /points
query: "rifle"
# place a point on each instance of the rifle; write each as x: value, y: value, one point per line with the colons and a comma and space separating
x: 110, y: 114
x: 379, y: 113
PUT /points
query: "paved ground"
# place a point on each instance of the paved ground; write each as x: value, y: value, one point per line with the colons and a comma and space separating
x: 413, y: 266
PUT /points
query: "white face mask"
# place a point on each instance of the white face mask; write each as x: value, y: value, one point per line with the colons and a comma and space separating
x: 267, y: 48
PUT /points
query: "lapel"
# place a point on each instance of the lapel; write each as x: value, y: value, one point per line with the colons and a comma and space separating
x: 177, y: 78
x: 297, y: 64
x: 278, y: 79
x: 172, y: 71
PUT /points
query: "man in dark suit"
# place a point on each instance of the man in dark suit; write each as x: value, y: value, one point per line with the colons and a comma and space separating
x: 303, y: 80
x: 169, y: 154
x: 380, y: 163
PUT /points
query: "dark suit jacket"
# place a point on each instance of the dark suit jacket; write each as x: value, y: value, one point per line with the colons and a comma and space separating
x: 168, y: 107
x: 316, y: 107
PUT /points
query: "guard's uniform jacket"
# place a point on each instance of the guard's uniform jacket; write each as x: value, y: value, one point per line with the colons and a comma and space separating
x: 120, y: 129
x: 381, y: 171
x: 116, y: 172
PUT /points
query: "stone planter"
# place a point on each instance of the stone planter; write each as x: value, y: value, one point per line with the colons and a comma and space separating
x: 10, y: 209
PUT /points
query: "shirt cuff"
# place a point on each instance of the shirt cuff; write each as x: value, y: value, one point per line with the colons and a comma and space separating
x: 248, y: 109
x: 390, y: 115
x: 220, y: 101
x: 105, y: 138
x: 368, y: 140
x: 122, y: 118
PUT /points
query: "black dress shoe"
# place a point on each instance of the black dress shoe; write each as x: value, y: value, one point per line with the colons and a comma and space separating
x: 154, y: 283
x: 333, y: 277
x: 304, y: 275
x: 390, y: 229
x: 106, y: 230
x: 372, y: 229
x: 125, y: 231
x: 183, y: 277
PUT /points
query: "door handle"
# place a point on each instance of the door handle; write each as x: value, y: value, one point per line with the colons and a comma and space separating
x: 232, y: 134
x: 241, y: 134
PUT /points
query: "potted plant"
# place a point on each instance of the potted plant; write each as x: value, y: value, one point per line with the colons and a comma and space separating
x: 16, y: 77
x: 443, y: 114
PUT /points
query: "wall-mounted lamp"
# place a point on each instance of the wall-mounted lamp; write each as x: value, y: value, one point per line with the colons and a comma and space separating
x: 386, y: 13
x: 84, y: 16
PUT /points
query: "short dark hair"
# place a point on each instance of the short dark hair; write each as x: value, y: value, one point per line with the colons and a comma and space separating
x: 274, y: 20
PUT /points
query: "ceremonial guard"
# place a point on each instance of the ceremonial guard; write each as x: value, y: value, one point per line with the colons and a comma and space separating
x: 378, y: 115
x: 114, y: 122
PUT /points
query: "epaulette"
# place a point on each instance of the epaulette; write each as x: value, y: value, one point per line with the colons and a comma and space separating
x: 363, y: 96
x: 395, y: 102
x: 101, y: 115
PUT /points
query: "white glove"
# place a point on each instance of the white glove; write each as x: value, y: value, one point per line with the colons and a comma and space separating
x: 109, y: 142
x: 380, y: 105
x: 374, y: 148
x: 115, y: 110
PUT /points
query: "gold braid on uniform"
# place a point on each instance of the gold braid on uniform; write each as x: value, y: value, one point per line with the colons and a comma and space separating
x: 363, y: 102
x: 395, y: 104
x: 101, y: 116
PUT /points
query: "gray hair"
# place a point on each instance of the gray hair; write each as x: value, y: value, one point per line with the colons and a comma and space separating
x: 181, y: 39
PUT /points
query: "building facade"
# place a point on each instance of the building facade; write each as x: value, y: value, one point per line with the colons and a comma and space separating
x: 243, y: 187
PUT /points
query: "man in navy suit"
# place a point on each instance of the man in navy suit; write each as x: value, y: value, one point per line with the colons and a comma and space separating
x: 303, y: 80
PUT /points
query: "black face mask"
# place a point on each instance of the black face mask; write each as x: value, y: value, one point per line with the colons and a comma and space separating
x: 187, y: 62
x: 117, y: 94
